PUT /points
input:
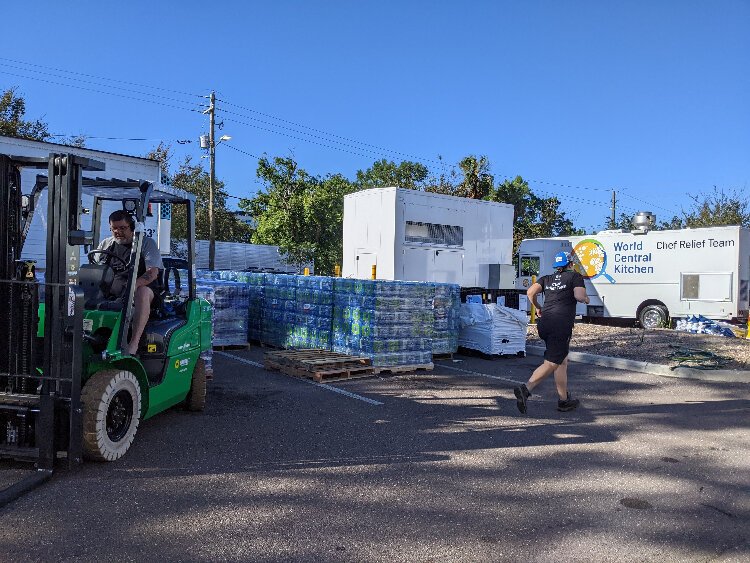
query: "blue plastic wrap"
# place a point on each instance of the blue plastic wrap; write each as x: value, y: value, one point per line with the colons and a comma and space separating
x: 446, y: 306
x: 230, y: 310
x: 391, y: 322
x: 255, y: 283
x: 279, y: 310
x: 698, y: 324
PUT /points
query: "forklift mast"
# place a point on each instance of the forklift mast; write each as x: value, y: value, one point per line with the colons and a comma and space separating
x: 40, y: 371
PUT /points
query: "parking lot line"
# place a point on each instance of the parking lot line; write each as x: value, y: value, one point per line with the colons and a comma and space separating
x: 321, y: 385
x: 480, y: 374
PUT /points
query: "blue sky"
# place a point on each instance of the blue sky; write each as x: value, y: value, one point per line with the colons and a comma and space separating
x: 578, y: 97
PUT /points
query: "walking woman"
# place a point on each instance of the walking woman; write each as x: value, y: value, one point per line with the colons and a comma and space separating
x: 555, y: 326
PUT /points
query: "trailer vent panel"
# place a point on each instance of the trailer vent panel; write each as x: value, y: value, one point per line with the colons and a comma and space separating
x: 434, y: 234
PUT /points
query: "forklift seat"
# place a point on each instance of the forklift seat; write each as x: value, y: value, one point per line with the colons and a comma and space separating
x: 95, y: 279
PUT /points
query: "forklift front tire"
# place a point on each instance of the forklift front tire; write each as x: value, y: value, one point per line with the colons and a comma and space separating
x: 196, y: 399
x: 111, y: 413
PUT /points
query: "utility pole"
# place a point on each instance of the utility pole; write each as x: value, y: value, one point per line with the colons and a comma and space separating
x: 613, y: 218
x: 212, y: 183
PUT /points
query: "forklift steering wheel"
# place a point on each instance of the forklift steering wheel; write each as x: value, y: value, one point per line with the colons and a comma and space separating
x: 110, y: 254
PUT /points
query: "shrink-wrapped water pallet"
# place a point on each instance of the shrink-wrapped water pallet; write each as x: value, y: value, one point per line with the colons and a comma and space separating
x: 390, y: 322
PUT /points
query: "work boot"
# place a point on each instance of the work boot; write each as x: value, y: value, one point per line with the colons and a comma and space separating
x: 521, y: 393
x: 568, y: 404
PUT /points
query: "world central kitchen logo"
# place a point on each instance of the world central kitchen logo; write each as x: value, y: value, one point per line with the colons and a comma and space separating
x: 591, y: 259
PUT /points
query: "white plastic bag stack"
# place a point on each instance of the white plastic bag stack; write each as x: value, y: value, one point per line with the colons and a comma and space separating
x: 492, y: 329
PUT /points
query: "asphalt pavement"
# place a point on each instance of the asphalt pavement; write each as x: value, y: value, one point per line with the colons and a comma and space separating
x: 426, y: 466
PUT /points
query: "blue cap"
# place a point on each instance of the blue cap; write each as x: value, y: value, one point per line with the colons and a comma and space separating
x: 561, y: 260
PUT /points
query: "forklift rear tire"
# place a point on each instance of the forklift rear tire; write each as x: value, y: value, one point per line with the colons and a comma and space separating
x: 196, y: 399
x: 111, y: 412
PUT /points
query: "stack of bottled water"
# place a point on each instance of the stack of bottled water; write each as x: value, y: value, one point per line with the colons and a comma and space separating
x: 314, y: 312
x: 279, y: 310
x: 230, y: 311
x: 255, y: 287
x: 698, y: 324
x: 390, y: 322
x: 446, y: 307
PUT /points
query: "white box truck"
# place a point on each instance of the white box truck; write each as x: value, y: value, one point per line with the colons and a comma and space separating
x: 118, y: 166
x: 410, y: 235
x: 653, y: 275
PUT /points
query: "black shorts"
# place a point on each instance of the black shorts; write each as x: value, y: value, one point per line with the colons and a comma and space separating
x: 556, y: 336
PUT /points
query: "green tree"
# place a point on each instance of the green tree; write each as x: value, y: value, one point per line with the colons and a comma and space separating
x: 194, y: 179
x: 473, y: 179
x: 325, y: 219
x: 718, y: 208
x: 445, y: 182
x: 624, y: 222
x: 299, y: 213
x: 674, y: 223
x: 385, y: 173
x: 12, y: 122
x: 477, y: 182
x: 535, y: 216
x: 163, y: 153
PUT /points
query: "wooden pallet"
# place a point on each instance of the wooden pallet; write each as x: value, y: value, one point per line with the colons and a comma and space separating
x: 319, y: 365
x: 405, y: 368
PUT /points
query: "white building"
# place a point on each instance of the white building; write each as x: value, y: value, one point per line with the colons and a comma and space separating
x: 118, y: 166
x: 412, y: 235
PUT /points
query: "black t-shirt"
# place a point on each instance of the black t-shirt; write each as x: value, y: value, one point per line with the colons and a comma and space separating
x: 559, y: 300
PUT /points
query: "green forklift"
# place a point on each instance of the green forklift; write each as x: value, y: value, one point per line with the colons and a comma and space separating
x: 68, y: 387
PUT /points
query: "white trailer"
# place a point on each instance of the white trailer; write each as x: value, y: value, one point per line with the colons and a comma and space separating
x: 653, y: 275
x: 118, y: 166
x: 411, y: 235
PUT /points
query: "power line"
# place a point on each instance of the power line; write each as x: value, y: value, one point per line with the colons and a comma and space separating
x: 363, y: 144
x: 333, y: 135
x: 556, y: 184
x: 300, y: 133
x: 99, y: 77
x: 239, y: 150
x: 379, y: 148
x: 379, y: 152
x: 298, y: 138
x: 95, y: 83
x: 651, y: 204
x: 99, y: 91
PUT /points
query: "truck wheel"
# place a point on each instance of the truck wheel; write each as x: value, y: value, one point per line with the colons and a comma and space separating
x: 653, y: 316
x: 196, y: 399
x: 111, y: 412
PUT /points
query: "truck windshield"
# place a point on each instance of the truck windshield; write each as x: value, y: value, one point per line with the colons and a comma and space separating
x: 528, y: 266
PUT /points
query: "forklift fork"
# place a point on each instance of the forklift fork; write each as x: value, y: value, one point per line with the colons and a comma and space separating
x: 41, y: 377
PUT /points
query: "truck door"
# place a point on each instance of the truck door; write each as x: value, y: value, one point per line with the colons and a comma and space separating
x: 528, y: 265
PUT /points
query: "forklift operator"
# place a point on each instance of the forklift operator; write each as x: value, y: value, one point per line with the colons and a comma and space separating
x: 122, y: 225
